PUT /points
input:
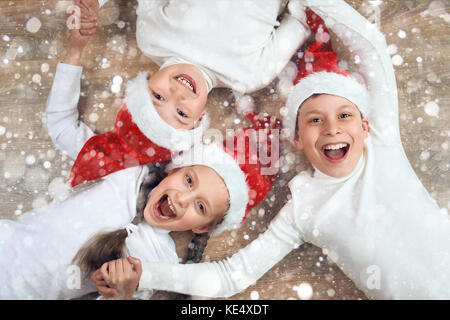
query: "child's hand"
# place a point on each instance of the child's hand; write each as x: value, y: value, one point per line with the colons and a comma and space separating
x: 78, y: 40
x: 75, y: 48
x: 101, y: 285
x: 123, y: 275
x: 89, y: 16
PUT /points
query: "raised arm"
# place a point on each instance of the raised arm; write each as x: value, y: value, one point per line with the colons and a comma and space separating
x: 365, y: 40
x: 232, y: 275
x: 62, y: 123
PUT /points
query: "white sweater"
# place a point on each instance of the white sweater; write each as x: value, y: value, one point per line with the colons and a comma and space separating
x: 240, y: 43
x: 37, y: 248
x: 378, y: 224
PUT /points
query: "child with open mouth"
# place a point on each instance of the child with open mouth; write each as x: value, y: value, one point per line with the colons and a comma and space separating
x: 50, y: 253
x: 163, y: 114
x: 198, y: 46
x: 362, y: 204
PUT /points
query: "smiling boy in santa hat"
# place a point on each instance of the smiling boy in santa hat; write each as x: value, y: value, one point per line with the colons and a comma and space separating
x: 362, y: 204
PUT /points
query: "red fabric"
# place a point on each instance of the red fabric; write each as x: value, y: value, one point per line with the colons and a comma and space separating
x: 257, y: 141
x: 320, y: 55
x: 123, y: 147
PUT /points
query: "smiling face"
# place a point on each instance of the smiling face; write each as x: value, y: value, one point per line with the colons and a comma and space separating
x: 179, y: 95
x: 331, y: 132
x: 189, y: 198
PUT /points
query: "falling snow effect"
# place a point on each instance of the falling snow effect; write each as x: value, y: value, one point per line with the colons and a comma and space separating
x: 33, y: 25
x: 34, y: 173
x: 304, y: 291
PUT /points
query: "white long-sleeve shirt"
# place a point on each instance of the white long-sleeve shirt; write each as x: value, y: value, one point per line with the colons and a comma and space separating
x: 241, y: 44
x: 37, y: 248
x: 378, y: 224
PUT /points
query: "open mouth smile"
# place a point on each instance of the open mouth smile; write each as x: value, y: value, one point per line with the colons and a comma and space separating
x: 164, y: 208
x: 336, y: 152
x: 187, y: 82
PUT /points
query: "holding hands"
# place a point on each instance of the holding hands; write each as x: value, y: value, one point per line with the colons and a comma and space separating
x: 118, y: 279
x: 82, y: 29
x: 88, y: 15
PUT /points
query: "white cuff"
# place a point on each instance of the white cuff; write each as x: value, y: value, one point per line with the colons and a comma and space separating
x: 297, y: 11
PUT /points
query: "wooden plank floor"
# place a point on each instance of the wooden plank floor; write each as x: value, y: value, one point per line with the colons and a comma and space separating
x: 416, y: 30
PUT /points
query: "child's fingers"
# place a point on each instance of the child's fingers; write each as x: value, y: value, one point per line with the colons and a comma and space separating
x: 112, y: 273
x: 127, y: 267
x: 87, y: 18
x: 84, y: 6
x: 87, y: 6
x: 104, y: 271
x: 84, y: 11
x: 136, y: 264
x: 101, y: 283
x: 107, y: 292
x: 119, y: 267
x: 88, y: 32
x: 96, y: 277
x: 88, y: 25
x: 87, y: 15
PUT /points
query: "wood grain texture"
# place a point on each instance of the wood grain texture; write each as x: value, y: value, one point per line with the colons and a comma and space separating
x: 423, y: 77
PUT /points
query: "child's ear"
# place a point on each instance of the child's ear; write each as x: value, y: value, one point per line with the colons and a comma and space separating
x: 202, y: 115
x: 196, y: 123
x: 298, y: 142
x: 150, y: 74
x: 202, y: 229
x: 366, y: 126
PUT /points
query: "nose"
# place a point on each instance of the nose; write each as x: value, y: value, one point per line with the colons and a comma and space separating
x: 179, y: 93
x: 331, y: 128
x: 183, y: 198
x: 175, y: 92
x: 177, y: 96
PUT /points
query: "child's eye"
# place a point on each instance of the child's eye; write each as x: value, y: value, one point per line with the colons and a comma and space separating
x: 181, y: 113
x: 345, y: 115
x: 201, y: 207
x: 315, y: 120
x: 189, y: 180
x: 158, y: 96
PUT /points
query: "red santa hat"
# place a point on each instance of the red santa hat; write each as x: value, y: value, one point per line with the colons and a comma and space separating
x: 248, y: 163
x: 318, y: 73
x: 140, y: 136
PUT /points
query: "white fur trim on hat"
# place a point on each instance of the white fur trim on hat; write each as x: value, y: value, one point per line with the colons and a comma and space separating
x: 326, y: 83
x: 142, y: 110
x: 225, y: 165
